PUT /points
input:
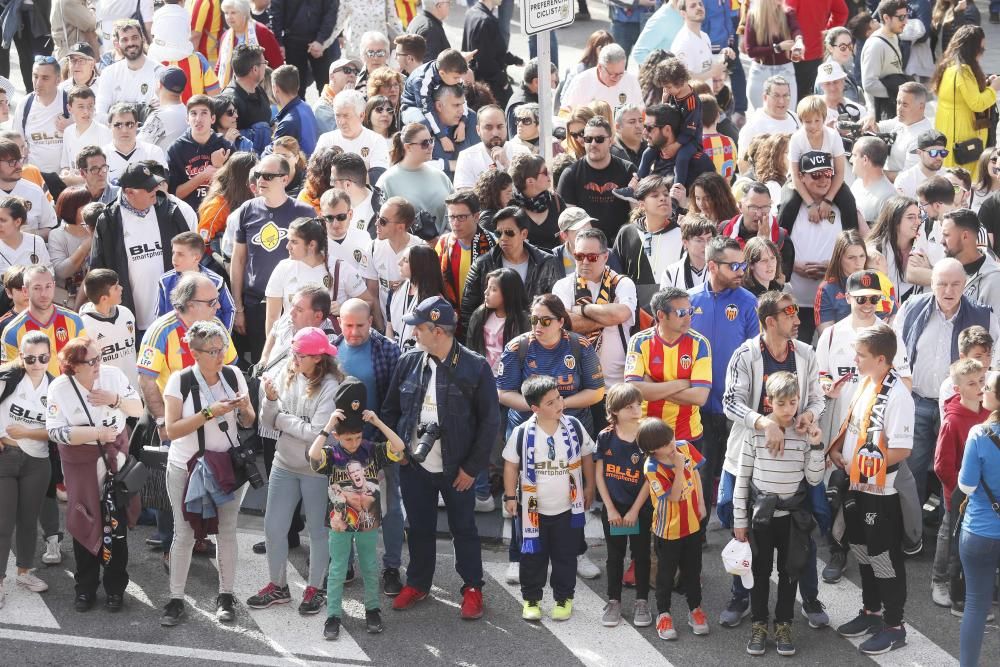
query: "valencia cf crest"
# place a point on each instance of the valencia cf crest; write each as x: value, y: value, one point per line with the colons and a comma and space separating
x: 364, y: 152
x: 62, y: 335
x: 27, y: 204
x: 569, y: 361
x: 621, y: 98
x: 435, y: 315
x: 358, y: 256
x: 327, y: 283
x: 731, y: 312
x: 144, y: 88
x: 130, y: 327
x: 635, y: 459
x: 870, y: 462
x: 355, y: 405
x: 685, y: 361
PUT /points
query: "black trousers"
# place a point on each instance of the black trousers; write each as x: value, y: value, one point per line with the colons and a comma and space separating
x: 558, y: 543
x: 88, y: 569
x: 311, y: 70
x: 683, y: 553
x: 28, y: 46
x: 712, y: 445
x: 805, y: 76
x: 875, y: 533
x: 251, y: 345
x: 618, y: 544
x: 766, y: 541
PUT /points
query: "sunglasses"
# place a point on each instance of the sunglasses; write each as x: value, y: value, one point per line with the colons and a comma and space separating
x: 817, y: 175
x: 790, y: 310
x: 425, y: 144
x: 349, y: 71
x: 231, y: 111
x: 844, y: 47
x: 267, y: 176
x: 217, y: 352
x: 650, y: 128
x: 871, y: 299
x: 683, y: 312
x: 938, y: 152
x: 736, y: 267
x: 509, y: 233
x: 589, y: 256
x: 339, y: 217
x: 384, y: 109
x: 551, y: 442
x: 576, y: 135
x: 92, y: 362
x: 127, y: 124
x: 382, y: 222
x: 31, y: 359
x: 596, y: 140
x: 544, y: 320
x: 45, y: 60
x: 525, y: 121
x: 375, y: 53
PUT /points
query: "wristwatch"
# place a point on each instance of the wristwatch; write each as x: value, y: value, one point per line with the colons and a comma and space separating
x: 325, y: 434
x: 160, y: 421
x: 207, y: 413
x: 506, y: 498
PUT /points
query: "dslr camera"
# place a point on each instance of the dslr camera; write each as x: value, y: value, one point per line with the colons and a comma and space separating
x: 427, y: 434
x: 244, y: 460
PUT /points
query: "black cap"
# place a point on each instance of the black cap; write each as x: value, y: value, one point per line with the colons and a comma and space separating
x: 929, y: 138
x: 864, y: 282
x: 435, y: 310
x: 173, y: 79
x: 351, y: 397
x: 139, y: 177
x: 815, y: 161
x: 82, y: 49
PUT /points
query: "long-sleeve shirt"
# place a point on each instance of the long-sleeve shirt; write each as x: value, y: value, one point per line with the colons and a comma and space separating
x: 816, y: 16
x: 297, y: 416
x: 880, y: 57
x: 778, y: 475
x: 763, y: 51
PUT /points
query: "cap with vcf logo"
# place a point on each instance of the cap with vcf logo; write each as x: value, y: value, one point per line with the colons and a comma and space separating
x: 815, y: 161
x: 435, y: 310
x: 351, y: 397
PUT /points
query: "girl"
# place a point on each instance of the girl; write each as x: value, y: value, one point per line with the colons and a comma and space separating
x: 712, y: 198
x: 763, y: 267
x: 502, y: 317
x: 850, y: 254
x: 421, y: 273
x: 18, y: 248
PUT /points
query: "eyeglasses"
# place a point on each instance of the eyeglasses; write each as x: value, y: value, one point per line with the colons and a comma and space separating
x: 757, y: 209
x: 231, y: 111
x: 790, y: 310
x: 844, y: 47
x: 349, y: 71
x: 902, y: 17
x: 577, y: 135
x: 868, y: 298
x: 959, y: 189
x: 551, y: 442
x: 127, y: 124
x: 682, y: 312
x: 95, y: 171
x: 338, y: 217
x: 816, y: 175
x: 459, y: 217
x: 217, y: 352
x: 384, y: 109
x: 31, y: 359
x: 650, y: 128
x: 375, y: 53
x: 589, y: 256
x: 267, y: 176
x: 525, y: 120
x: 509, y: 233
x: 596, y: 140
x: 544, y: 320
x: 13, y: 162
x: 736, y: 267
x: 382, y: 222
x: 92, y: 362
x: 208, y: 302
x: 45, y: 60
x: 937, y: 152
x: 425, y: 144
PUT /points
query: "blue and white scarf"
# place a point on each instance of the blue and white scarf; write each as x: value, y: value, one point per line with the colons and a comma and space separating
x: 529, y: 490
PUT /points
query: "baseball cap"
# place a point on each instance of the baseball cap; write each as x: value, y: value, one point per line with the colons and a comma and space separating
x: 863, y: 283
x: 435, y: 310
x: 830, y: 71
x: 573, y: 218
x: 139, y: 177
x: 173, y: 79
x: 815, y: 161
x: 737, y: 558
x: 929, y: 138
x: 312, y: 340
x: 82, y: 49
x: 344, y: 62
x: 350, y: 397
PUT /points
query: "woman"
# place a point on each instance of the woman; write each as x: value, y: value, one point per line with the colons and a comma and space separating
x: 573, y: 143
x: 502, y: 317
x: 416, y: 181
x: 226, y: 118
x: 961, y: 180
x: 420, y: 270
x: 380, y: 116
x: 495, y: 190
x: 17, y: 247
x: 357, y: 18
x: 298, y: 401
x: 78, y: 69
x: 840, y: 48
x: 964, y: 93
x: 890, y: 242
x: 69, y: 244
x: 24, y: 455
x: 651, y: 92
x: 195, y: 435
x: 712, y: 198
x: 388, y: 83
x: 988, y: 179
x: 230, y: 187
x: 536, y: 201
x: 773, y: 41
x: 588, y: 59
x: 89, y: 393
x: 849, y: 255
x: 243, y: 29
x: 948, y: 16
x: 526, y: 127
x: 770, y: 164
x: 979, y: 541
x: 763, y: 267
x: 288, y: 148
x: 318, y: 176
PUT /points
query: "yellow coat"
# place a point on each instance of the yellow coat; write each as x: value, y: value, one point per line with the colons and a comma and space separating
x: 957, y: 102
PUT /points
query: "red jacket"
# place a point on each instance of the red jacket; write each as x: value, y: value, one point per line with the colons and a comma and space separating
x: 958, y: 421
x: 814, y: 17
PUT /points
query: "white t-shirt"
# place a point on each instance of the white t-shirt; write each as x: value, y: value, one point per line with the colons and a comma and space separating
x: 116, y: 337
x: 26, y: 407
x: 760, y: 122
x: 370, y: 145
x: 799, y: 144
x: 355, y: 248
x: 585, y: 88
x: 118, y: 83
x: 164, y: 126
x: 612, y: 350
x: 45, y: 144
x: 429, y: 414
x: 22, y: 255
x: 401, y: 303
x: 290, y: 275
x: 908, y: 180
x: 182, y: 449
x: 551, y: 475
x: 900, y: 156
x: 694, y: 50
x: 41, y: 214
x: 386, y: 262
x: 117, y: 163
x: 897, y: 425
x: 65, y: 408
x: 475, y: 160
x: 145, y: 263
x: 871, y: 198
x: 95, y: 135
x: 813, y: 243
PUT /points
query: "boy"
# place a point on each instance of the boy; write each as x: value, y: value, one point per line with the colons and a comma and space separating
x: 551, y: 457
x: 188, y: 248
x: 110, y: 323
x: 961, y: 412
x: 689, y: 270
x: 15, y: 293
x: 194, y: 157
x: 781, y: 525
x: 974, y: 342
x: 448, y: 69
x: 354, y: 466
x: 674, y: 77
x: 717, y: 146
x: 85, y: 131
x: 678, y: 510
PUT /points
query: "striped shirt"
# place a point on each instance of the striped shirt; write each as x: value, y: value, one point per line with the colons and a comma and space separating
x: 674, y: 519
x: 63, y: 326
x: 163, y: 350
x: 779, y: 475
x: 206, y: 18
x: 722, y: 150
x: 201, y: 77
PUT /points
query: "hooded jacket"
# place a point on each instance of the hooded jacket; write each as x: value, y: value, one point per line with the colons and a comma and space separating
x: 983, y: 287
x: 958, y: 421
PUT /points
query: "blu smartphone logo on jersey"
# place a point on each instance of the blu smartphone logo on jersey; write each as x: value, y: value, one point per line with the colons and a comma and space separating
x: 145, y: 250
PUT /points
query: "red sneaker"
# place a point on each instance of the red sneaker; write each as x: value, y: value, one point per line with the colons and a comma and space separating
x: 408, y: 597
x: 628, y: 581
x: 472, y: 604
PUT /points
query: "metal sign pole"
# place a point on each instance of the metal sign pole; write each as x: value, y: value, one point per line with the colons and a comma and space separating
x: 545, y: 95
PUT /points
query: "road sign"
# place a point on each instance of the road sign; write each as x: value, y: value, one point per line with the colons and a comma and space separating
x: 539, y: 15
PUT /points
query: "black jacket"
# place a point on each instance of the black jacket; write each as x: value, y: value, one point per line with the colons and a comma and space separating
x: 430, y: 28
x: 108, y: 250
x: 303, y: 20
x: 482, y: 33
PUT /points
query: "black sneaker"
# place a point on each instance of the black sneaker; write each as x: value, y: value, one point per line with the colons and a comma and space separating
x: 312, y: 601
x: 225, y: 608
x: 373, y: 621
x: 783, y: 639
x: 154, y: 542
x: 172, y: 613
x: 350, y: 576
x: 885, y: 640
x: 260, y: 548
x: 834, y: 569
x: 114, y: 603
x: 84, y: 602
x: 863, y: 624
x: 758, y: 639
x: 625, y: 194
x: 735, y: 612
x: 391, y: 584
x: 268, y: 596
x: 331, y: 629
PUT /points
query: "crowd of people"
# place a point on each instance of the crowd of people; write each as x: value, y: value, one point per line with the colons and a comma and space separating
x: 712, y: 296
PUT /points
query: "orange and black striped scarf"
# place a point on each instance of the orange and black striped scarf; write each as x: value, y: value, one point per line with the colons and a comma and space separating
x: 606, y: 294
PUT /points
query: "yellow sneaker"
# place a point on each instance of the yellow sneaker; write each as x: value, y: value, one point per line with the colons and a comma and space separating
x: 531, y: 611
x: 563, y: 610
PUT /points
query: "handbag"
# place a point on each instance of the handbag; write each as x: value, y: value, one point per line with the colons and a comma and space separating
x: 969, y: 150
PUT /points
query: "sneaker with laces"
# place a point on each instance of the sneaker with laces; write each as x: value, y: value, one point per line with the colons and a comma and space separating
x: 531, y: 611
x: 815, y: 613
x: 628, y: 579
x: 270, y: 595
x: 31, y: 582
x: 513, y: 575
x: 472, y: 604
x: 641, y: 618
x: 391, y: 584
x: 586, y: 567
x: 665, y: 627
x: 172, y: 613
x: 52, y: 555
x: 698, y: 621
x: 783, y: 639
x: 312, y: 601
x: 563, y: 610
x: 883, y: 641
x: 331, y: 629
x: 734, y: 613
x: 612, y: 614
x: 373, y: 621
x: 408, y: 597
x: 225, y: 608
x: 834, y: 569
x: 863, y: 624
x: 758, y: 639
x: 625, y: 194
x: 940, y: 593
x: 484, y: 505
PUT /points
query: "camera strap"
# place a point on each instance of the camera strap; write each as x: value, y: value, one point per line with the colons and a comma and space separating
x: 193, y: 382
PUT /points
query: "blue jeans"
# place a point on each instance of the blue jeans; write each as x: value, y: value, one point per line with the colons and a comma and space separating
x: 980, y: 559
x: 392, y: 522
x: 926, y: 422
x: 553, y: 49
x: 284, y: 491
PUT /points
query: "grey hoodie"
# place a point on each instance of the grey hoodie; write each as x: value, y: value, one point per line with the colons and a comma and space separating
x: 297, y: 417
x: 983, y: 287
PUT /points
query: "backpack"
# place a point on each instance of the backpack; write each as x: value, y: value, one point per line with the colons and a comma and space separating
x: 574, y: 348
x: 29, y: 100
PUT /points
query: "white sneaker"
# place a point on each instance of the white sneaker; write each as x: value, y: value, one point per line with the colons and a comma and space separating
x: 940, y: 594
x: 513, y: 573
x: 485, y: 504
x: 586, y: 568
x: 31, y: 582
x: 52, y: 555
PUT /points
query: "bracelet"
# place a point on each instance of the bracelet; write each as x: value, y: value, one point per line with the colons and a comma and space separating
x: 506, y: 498
x: 583, y: 309
x: 207, y: 414
x: 324, y: 433
x: 118, y: 402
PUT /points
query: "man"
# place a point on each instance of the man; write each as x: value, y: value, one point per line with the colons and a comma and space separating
x: 353, y: 137
x: 349, y: 172
x: 207, y: 26
x: 572, y: 221
x: 459, y: 249
x: 371, y: 357
x: 41, y: 118
x: 169, y: 120
x: 347, y: 243
x: 262, y: 225
x: 694, y: 47
x: 661, y: 130
x: 247, y: 91
x: 814, y: 16
x: 774, y: 116
x: 92, y: 165
x: 449, y: 111
x: 608, y: 81
x: 755, y: 219
x: 721, y: 21
x: 410, y: 52
x: 195, y: 157
x: 374, y: 51
x: 527, y: 92
x: 936, y: 197
x: 882, y: 59
x: 690, y: 270
x: 393, y: 221
x: 492, y: 152
x: 343, y: 76
x: 295, y: 118
x: 125, y: 148
x: 588, y: 183
x: 910, y: 122
x: 762, y: 354
x: 41, y: 214
x: 630, y: 141
x: 601, y: 304
x: 959, y: 236
x: 131, y: 79
x: 42, y: 314
x: 147, y: 224
x: 306, y: 38
x: 429, y: 24
x: 871, y: 188
x: 931, y: 150
x: 481, y: 33
x: 466, y: 428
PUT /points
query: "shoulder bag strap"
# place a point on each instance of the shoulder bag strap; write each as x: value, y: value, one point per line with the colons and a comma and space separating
x: 982, y: 479
x: 190, y: 386
x: 100, y: 445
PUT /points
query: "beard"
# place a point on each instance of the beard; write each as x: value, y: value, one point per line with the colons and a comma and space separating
x: 495, y: 142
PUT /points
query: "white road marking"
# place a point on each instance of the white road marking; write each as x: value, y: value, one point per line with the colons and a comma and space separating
x: 24, y: 607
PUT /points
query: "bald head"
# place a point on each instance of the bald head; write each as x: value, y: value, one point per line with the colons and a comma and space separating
x: 947, y: 268
x: 948, y: 283
x: 356, y: 306
x: 356, y: 322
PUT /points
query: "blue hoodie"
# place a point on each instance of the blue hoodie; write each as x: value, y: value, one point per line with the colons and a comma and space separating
x: 297, y: 120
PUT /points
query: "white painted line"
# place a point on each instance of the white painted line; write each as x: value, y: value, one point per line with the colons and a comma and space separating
x: 24, y: 607
x: 161, y: 649
x: 584, y: 635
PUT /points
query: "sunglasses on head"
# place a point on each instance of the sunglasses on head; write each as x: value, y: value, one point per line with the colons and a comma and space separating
x: 596, y: 140
x: 544, y: 320
x: 937, y: 152
x: 339, y: 217
x: 45, y: 60
x: 589, y: 256
x: 509, y: 233
x: 31, y: 359
x: 871, y: 299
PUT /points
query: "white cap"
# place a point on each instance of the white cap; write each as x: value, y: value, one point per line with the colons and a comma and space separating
x: 737, y: 558
x: 830, y: 71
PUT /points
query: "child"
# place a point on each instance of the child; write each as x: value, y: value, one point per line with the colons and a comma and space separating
x: 717, y: 146
x: 625, y: 494
x: 354, y: 466
x: 678, y: 510
x: 961, y: 412
x: 673, y: 76
x: 187, y: 250
x: 85, y: 131
x: 974, y: 342
x: 110, y: 323
x: 781, y: 525
x: 448, y: 69
x: 551, y: 457
x: 689, y: 270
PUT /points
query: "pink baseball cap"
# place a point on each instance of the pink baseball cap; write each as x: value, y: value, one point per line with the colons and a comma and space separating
x: 313, y: 341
